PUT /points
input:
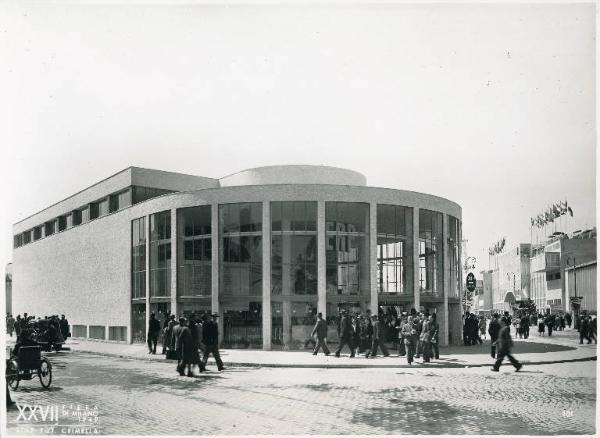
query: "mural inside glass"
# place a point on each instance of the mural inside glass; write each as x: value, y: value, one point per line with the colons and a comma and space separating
x: 240, y: 273
x: 394, y: 249
x: 431, y: 256
x: 454, y: 256
x: 194, y: 272
x: 347, y: 248
x: 160, y: 254
x: 293, y: 248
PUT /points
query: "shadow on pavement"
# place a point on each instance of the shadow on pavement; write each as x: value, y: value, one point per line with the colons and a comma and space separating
x: 519, y: 347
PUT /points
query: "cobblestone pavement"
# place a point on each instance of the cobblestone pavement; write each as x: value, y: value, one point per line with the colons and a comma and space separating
x: 148, y: 398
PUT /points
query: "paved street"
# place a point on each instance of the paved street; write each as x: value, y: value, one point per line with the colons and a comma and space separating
x: 141, y: 397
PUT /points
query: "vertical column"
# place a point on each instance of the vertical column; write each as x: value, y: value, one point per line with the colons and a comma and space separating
x: 373, y: 257
x: 445, y: 327
x: 416, y: 283
x: 148, y: 250
x: 266, y: 274
x: 286, y: 282
x: 175, y: 258
x: 321, y: 272
x: 214, y: 239
x: 130, y: 319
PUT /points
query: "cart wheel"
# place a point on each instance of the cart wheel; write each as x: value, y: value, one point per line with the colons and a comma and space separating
x: 45, y: 373
x: 12, y: 374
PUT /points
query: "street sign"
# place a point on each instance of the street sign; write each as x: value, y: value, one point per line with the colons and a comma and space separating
x: 471, y: 282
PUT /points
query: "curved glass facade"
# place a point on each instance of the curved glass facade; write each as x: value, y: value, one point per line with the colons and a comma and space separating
x: 387, y: 266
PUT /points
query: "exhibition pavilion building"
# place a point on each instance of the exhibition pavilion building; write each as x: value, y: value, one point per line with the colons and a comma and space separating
x: 266, y: 248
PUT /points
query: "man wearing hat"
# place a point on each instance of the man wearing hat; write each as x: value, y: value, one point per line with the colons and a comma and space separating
x: 210, y: 339
x: 378, y: 337
x: 345, y: 334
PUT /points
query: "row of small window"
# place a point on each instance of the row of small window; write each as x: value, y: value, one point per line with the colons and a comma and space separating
x: 115, y: 333
x: 94, y: 210
x: 80, y: 216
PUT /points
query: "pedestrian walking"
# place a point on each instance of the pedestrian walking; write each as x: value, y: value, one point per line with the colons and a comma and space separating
x: 401, y: 345
x: 494, y: 331
x: 434, y: 331
x: 482, y: 326
x: 504, y: 345
x: 525, y: 326
x: 210, y: 339
x: 541, y: 326
x: 549, y: 323
x: 584, y: 330
x: 418, y: 325
x: 378, y: 338
x: 345, y: 334
x: 507, y: 319
x: 10, y: 325
x: 153, y: 331
x: 568, y: 319
x: 409, y: 333
x: 189, y: 349
x: 320, y: 330
x: 425, y: 339
x: 63, y: 325
x: 176, y: 342
x: 167, y: 335
x: 355, y: 334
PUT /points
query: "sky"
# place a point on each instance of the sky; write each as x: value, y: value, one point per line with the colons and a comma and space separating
x: 489, y: 105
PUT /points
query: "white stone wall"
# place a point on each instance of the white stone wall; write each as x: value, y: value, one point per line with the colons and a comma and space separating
x: 83, y: 272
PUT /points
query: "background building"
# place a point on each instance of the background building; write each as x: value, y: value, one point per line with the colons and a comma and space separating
x: 266, y: 248
x: 561, y: 273
x: 512, y: 272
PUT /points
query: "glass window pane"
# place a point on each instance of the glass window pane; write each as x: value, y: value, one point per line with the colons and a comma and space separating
x: 245, y: 218
x: 311, y: 216
x: 385, y: 219
x: 276, y: 216
x: 299, y: 217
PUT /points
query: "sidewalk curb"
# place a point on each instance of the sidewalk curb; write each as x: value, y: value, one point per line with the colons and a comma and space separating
x: 434, y: 365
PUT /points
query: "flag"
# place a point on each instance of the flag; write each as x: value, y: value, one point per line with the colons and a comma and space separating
x: 570, y: 210
x: 532, y: 221
x: 548, y: 216
x: 556, y: 210
x: 563, y: 208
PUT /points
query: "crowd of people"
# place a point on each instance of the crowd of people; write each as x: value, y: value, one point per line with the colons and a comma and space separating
x: 184, y: 338
x: 412, y: 333
x: 51, y: 328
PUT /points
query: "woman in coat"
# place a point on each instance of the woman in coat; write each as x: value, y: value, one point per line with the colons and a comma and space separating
x: 189, y: 348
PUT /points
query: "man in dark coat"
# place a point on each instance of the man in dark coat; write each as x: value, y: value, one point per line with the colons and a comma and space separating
x: 504, y: 344
x: 378, y: 337
x: 345, y: 334
x: 494, y: 331
x: 584, y: 330
x: 507, y: 320
x: 320, y: 330
x: 434, y: 332
x: 153, y: 332
x: 525, y: 326
x: 550, y: 324
x: 64, y: 327
x: 568, y: 319
x: 210, y: 339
